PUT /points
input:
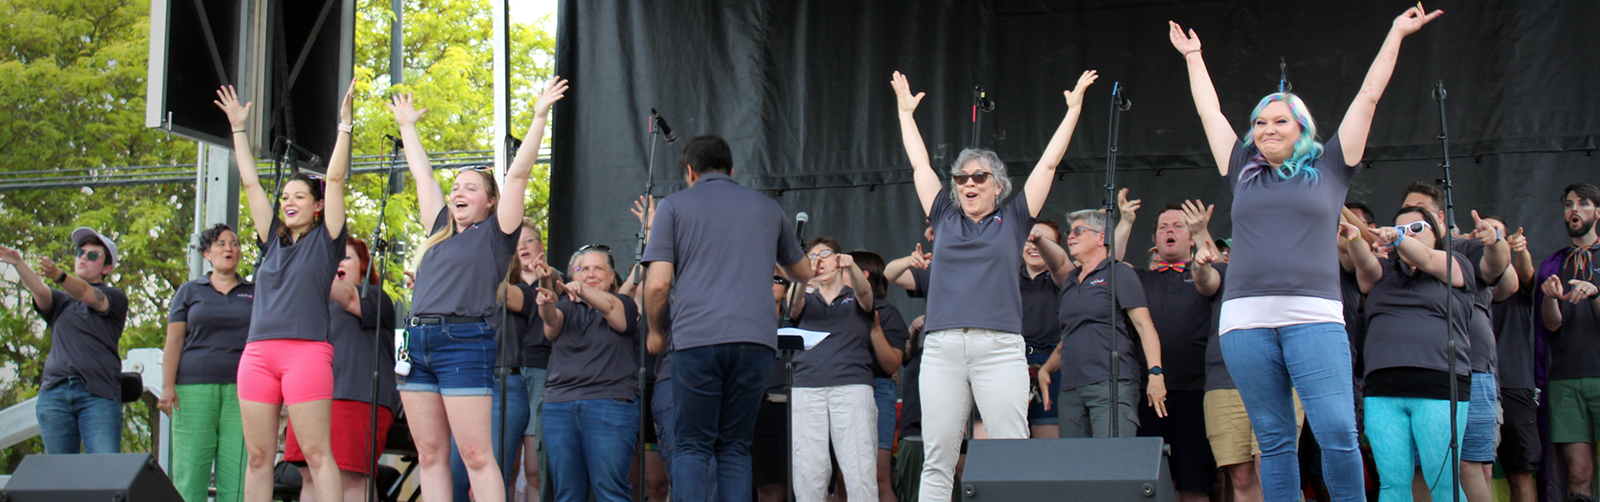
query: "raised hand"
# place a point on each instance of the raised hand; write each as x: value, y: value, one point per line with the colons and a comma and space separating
x: 553, y: 92
x: 920, y: 259
x: 540, y: 270
x: 1034, y: 236
x: 11, y: 257
x: 1517, y: 241
x: 411, y: 279
x: 1413, y: 18
x: 48, y: 268
x: 1129, y: 208
x: 1349, y: 232
x: 1581, y: 290
x: 405, y: 111
x: 845, y: 260
x: 1197, y: 215
x: 916, y: 324
x: 1075, y: 96
x: 228, y: 101
x: 645, y: 211
x: 347, y: 114
x: 1205, y: 255
x: 1386, y: 236
x: 544, y: 297
x: 1552, y: 288
x: 575, y: 290
x: 902, y: 93
x: 1184, y: 43
x: 1483, y: 231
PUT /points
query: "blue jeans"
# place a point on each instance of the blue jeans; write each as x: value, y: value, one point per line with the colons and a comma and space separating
x: 663, y: 409
x: 1399, y: 426
x: 1482, y: 419
x: 451, y: 359
x: 591, y: 448
x: 718, y: 391
x: 1268, y: 364
x: 69, y: 415
x: 506, y: 454
x: 883, y: 393
x: 533, y: 383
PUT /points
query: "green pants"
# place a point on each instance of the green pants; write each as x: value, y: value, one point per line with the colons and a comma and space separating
x: 206, y: 429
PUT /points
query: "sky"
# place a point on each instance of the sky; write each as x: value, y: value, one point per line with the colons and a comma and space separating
x: 531, y: 9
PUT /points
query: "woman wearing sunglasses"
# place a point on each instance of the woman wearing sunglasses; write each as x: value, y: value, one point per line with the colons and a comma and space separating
x: 472, y: 233
x: 591, y: 407
x: 207, y: 326
x: 1407, y: 384
x: 1282, y: 318
x: 287, y: 360
x: 974, y: 349
x: 833, y: 389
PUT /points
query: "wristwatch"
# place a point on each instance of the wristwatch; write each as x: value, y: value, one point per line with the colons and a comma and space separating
x: 1155, y: 370
x: 63, y: 277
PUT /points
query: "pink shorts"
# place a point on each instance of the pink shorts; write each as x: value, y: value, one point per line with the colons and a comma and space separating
x: 286, y: 371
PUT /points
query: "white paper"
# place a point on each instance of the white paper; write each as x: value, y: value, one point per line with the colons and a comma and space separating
x: 812, y: 338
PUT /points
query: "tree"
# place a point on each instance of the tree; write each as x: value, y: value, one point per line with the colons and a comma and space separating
x: 72, y: 97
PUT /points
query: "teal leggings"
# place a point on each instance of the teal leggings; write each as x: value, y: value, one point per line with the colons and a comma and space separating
x: 1399, y: 426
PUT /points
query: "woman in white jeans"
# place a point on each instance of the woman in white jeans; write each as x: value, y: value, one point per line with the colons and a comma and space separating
x: 974, y: 347
x: 832, y: 395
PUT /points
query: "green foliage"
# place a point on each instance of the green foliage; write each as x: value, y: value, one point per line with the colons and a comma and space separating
x: 72, y: 96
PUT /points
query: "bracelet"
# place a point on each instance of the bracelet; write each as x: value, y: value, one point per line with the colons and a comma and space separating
x: 1397, y: 242
x: 63, y: 277
x: 1186, y: 54
x: 237, y: 131
x: 349, y: 128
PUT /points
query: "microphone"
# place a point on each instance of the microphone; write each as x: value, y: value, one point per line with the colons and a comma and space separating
x: 661, y: 124
x: 1283, y: 76
x: 1123, y: 103
x: 800, y: 226
x: 393, y: 139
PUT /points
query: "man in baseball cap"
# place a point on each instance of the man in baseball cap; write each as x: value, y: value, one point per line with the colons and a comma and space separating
x: 79, y: 407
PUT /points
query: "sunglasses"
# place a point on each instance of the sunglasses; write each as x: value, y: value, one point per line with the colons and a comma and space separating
x: 820, y: 254
x: 979, y: 177
x: 477, y: 167
x: 1414, y: 227
x: 1078, y: 231
x: 778, y: 279
x: 598, y: 247
x: 87, y: 255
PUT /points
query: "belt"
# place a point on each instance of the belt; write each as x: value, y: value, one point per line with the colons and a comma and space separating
x: 1040, y: 349
x: 438, y: 319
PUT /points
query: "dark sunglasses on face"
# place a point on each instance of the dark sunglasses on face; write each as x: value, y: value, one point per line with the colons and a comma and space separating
x: 87, y: 255
x: 1414, y: 227
x: 778, y: 279
x: 979, y: 177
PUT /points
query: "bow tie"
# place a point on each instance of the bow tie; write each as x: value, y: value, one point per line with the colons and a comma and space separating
x: 1162, y: 266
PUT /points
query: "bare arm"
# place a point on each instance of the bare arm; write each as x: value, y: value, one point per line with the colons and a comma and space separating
x: 887, y: 356
x: 1151, y: 342
x: 898, y: 271
x: 552, y: 316
x: 926, y: 179
x: 1496, y: 251
x: 1044, y: 173
x: 171, y: 353
x: 1219, y: 135
x: 1521, y: 260
x: 1129, y: 210
x: 347, y: 296
x: 657, y: 285
x: 1551, y: 306
x: 42, y: 298
x: 339, y: 170
x: 858, y: 282
x: 512, y: 199
x: 1430, y: 261
x: 249, y: 179
x: 78, y: 289
x: 430, y: 198
x: 1197, y: 217
x: 1508, y: 285
x: 1368, y: 269
x: 1358, y: 120
x: 612, y: 308
x: 1055, y: 258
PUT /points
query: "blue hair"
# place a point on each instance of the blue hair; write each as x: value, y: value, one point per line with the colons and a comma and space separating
x: 1306, y: 149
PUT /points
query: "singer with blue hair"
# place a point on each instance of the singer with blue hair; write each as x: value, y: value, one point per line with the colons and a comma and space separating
x: 1282, y: 319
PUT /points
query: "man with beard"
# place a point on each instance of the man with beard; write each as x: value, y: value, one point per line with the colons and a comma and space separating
x: 1570, y: 311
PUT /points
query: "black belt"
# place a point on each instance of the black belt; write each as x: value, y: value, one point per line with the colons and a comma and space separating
x: 445, y: 319
x: 1040, y: 349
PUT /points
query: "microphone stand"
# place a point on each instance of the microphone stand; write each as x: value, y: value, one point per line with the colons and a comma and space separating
x: 980, y: 103
x: 1118, y: 105
x: 638, y: 282
x: 502, y: 370
x: 1449, y: 266
x: 375, y: 267
x: 787, y: 350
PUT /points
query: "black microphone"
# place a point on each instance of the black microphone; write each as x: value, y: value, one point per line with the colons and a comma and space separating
x: 394, y: 140
x: 661, y: 124
x: 1123, y: 103
x: 800, y: 226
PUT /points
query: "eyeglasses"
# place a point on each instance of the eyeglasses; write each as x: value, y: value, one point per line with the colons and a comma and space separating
x: 1078, y: 231
x: 979, y: 177
x: 1414, y: 227
x: 87, y: 255
x: 778, y: 279
x: 820, y: 254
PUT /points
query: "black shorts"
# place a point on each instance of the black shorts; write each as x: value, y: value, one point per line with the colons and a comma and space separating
x: 1194, y: 468
x: 1520, y: 447
x: 770, y: 447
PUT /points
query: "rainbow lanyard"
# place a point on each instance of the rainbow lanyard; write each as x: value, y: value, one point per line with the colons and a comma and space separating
x: 1580, y: 260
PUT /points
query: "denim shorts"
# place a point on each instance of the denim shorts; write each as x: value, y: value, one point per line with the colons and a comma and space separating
x: 1479, y: 444
x: 883, y: 393
x: 450, y: 359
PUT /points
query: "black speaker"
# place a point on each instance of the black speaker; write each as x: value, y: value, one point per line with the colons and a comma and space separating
x: 1094, y: 469
x: 117, y: 477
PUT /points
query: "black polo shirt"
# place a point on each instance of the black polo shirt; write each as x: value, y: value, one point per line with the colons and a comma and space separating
x: 1217, y: 376
x: 1575, y: 348
x: 354, y: 353
x: 920, y: 277
x: 83, y: 342
x: 533, y: 347
x: 1040, y: 294
x: 845, y: 356
x: 1084, y: 315
x: 1184, y: 320
x: 894, y: 331
x: 216, y: 327
x: 722, y: 240
x: 589, y: 360
x: 975, y: 285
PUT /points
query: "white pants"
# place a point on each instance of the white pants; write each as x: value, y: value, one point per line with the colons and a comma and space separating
x: 958, y: 365
x: 849, y: 415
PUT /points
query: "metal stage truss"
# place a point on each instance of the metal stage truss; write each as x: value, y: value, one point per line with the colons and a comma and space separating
x: 185, y: 173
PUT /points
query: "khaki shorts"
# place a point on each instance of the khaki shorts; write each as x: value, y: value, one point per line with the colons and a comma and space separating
x: 1228, y: 427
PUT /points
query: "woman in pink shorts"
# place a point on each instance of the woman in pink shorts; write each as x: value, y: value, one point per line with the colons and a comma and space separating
x: 287, y: 358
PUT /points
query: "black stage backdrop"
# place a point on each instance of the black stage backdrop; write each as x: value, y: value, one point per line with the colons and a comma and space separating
x: 801, y: 91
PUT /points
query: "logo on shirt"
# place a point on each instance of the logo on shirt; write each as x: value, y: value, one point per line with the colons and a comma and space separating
x: 1098, y: 281
x: 246, y: 296
x: 1189, y: 280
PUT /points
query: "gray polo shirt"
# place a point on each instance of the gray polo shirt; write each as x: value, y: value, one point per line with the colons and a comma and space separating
x: 1575, y: 348
x: 589, y: 360
x: 1217, y: 376
x: 845, y: 356
x: 1479, y: 295
x: 1040, y: 328
x: 217, y: 325
x: 975, y: 283
x: 83, y: 343
x: 529, y: 328
x: 353, y: 351
x: 459, y: 276
x: 1285, y: 231
x: 920, y: 277
x: 895, y: 332
x: 1085, y: 308
x: 722, y: 240
x: 1355, y: 319
x: 1405, y: 321
x: 292, y: 285
x: 1513, y: 323
x: 1184, y: 320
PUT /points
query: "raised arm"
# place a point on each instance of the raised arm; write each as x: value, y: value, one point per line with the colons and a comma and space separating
x: 517, y: 175
x: 609, y: 306
x: 1426, y: 259
x: 1367, y: 268
x: 552, y: 316
x: 42, y: 298
x: 858, y: 281
x: 430, y: 198
x: 1521, y: 260
x: 922, y: 172
x: 339, y: 170
x: 346, y: 296
x: 249, y: 179
x: 75, y: 287
x: 1508, y: 285
x: 645, y: 211
x: 1044, y: 174
x: 1219, y: 135
x: 1358, y: 121
x: 1129, y: 210
x: 1496, y: 251
x: 898, y: 271
x: 1055, y: 258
